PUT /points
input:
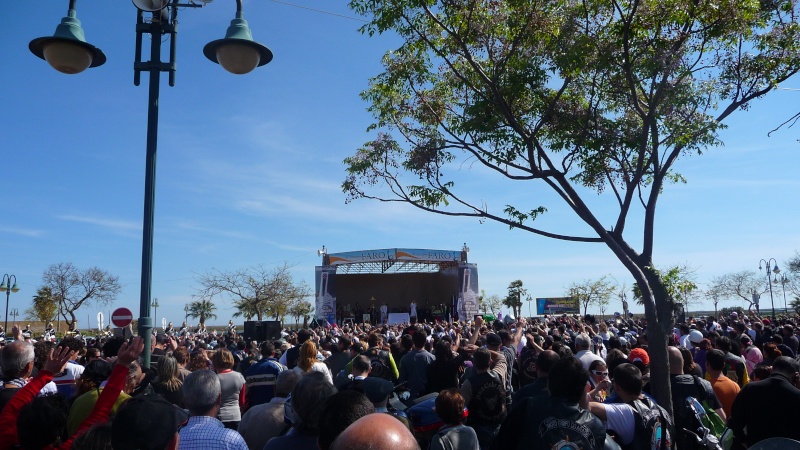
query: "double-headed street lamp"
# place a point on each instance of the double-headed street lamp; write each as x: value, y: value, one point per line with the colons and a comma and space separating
x: 775, y: 270
x: 67, y: 51
x: 155, y: 306
x: 783, y: 279
x: 14, y: 313
x: 8, y: 286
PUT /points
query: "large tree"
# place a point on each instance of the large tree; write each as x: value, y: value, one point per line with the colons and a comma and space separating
x: 592, y: 292
x: 73, y: 288
x: 565, y: 95
x: 254, y: 291
x: 745, y: 285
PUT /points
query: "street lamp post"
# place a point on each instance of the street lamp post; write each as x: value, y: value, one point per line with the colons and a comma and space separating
x: 529, y: 299
x: 783, y: 280
x: 775, y: 270
x: 186, y: 314
x: 155, y: 311
x: 8, y: 286
x: 14, y: 314
x: 68, y: 52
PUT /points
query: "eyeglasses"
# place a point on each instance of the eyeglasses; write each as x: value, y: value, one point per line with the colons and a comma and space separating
x: 600, y: 373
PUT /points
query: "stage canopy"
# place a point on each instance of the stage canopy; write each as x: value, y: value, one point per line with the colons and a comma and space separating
x: 359, y: 283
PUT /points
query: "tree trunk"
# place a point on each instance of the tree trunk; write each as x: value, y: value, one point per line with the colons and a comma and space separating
x: 71, y: 321
x: 658, y: 311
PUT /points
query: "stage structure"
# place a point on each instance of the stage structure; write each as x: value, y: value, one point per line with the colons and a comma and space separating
x: 355, y: 285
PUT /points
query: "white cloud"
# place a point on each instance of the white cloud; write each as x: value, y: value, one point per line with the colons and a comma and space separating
x: 23, y: 231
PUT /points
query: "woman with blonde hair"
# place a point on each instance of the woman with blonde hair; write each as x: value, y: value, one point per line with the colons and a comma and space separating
x: 168, y: 384
x: 308, y: 362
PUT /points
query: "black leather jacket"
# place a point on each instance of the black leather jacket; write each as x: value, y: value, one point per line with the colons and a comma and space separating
x: 544, y: 422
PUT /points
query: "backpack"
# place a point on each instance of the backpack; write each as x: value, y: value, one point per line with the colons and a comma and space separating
x: 653, y: 426
x: 712, y: 421
x: 377, y: 361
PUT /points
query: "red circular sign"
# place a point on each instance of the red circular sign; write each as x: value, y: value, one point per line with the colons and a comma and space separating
x: 121, y: 317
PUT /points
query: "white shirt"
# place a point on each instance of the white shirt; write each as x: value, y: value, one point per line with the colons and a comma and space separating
x: 620, y: 418
x: 586, y: 358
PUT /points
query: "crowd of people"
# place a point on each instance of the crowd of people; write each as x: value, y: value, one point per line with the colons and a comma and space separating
x: 543, y: 383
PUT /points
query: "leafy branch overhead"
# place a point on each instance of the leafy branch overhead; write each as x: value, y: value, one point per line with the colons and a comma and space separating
x: 576, y: 98
x: 605, y: 95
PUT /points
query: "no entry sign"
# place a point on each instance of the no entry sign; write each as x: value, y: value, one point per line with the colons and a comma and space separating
x: 121, y: 317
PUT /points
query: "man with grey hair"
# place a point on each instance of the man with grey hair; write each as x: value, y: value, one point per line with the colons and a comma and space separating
x: 265, y: 421
x: 17, y: 365
x: 202, y: 395
x: 583, y: 344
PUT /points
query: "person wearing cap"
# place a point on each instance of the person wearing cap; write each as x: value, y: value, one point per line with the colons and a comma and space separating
x: 378, y: 391
x: 202, y: 395
x: 147, y: 422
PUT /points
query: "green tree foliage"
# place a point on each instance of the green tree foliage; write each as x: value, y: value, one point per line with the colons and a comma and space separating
x: 44, y: 306
x: 490, y: 304
x: 255, y: 291
x: 300, y: 308
x: 514, y: 298
x: 202, y: 310
x: 565, y: 95
x: 592, y: 292
x: 72, y: 288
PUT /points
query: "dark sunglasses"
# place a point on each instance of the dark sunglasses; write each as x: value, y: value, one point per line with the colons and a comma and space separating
x: 599, y: 373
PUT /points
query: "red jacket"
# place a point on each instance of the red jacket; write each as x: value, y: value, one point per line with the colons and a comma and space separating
x: 26, y: 394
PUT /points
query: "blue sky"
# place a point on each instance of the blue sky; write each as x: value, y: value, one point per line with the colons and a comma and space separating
x: 249, y: 167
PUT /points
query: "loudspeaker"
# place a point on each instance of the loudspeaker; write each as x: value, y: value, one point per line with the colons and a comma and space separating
x: 272, y: 329
x: 262, y: 331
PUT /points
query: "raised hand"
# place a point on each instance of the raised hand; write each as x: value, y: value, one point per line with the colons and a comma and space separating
x: 57, y: 360
x: 129, y: 352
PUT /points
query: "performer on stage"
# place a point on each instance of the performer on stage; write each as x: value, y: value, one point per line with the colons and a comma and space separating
x: 384, y: 313
x: 413, y: 309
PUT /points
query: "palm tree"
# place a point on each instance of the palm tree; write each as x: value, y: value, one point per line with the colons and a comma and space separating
x: 202, y: 310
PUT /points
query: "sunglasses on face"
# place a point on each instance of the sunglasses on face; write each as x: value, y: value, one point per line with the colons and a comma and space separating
x: 600, y: 373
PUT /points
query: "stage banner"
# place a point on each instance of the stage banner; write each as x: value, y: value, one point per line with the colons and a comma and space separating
x: 468, y: 296
x: 406, y: 254
x: 385, y: 254
x: 325, y: 306
x: 557, y: 305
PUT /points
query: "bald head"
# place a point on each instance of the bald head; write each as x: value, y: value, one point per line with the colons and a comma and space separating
x: 376, y: 431
x: 675, y: 361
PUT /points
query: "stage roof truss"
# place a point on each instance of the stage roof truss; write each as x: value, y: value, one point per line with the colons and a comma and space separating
x: 378, y: 267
